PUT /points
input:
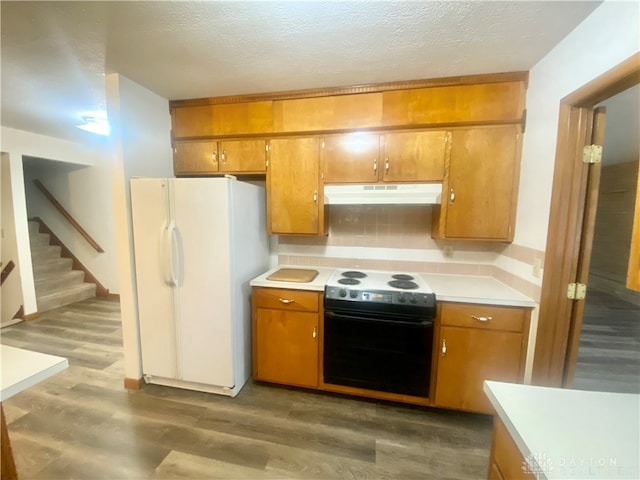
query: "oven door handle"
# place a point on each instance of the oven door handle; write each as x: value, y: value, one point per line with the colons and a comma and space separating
x: 365, y: 318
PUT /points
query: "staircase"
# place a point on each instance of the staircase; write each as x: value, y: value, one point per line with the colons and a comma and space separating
x: 56, y: 283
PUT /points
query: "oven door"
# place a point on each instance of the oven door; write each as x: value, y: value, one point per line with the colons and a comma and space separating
x: 380, y: 352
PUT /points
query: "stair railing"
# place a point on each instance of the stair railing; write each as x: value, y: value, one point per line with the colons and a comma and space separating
x: 6, y: 271
x: 67, y: 215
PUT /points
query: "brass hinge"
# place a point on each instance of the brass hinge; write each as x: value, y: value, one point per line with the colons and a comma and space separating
x: 592, y: 154
x: 576, y: 291
x: 447, y: 137
x: 266, y: 164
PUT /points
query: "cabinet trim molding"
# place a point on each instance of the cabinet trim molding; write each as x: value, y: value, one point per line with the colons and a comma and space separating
x: 355, y: 89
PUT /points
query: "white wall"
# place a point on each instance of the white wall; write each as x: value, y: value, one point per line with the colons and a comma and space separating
x: 604, y: 39
x: 141, y: 146
x: 85, y: 192
x: 11, y: 291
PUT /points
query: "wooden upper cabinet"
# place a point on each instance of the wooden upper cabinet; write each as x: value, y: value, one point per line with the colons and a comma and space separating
x: 242, y: 156
x: 327, y: 113
x: 192, y: 121
x: 480, y: 193
x: 195, y: 157
x: 500, y: 102
x: 294, y: 193
x: 351, y: 158
x: 414, y: 156
x: 222, y: 119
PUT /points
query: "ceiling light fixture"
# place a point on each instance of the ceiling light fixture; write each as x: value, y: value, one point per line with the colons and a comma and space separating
x: 99, y: 126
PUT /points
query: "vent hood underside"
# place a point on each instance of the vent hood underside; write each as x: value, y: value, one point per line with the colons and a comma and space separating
x: 383, y: 194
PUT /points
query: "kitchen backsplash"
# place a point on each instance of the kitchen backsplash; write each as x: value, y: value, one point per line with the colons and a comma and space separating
x: 399, y: 238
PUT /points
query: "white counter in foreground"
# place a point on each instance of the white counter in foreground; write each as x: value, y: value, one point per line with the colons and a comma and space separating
x: 571, y: 434
x: 24, y: 368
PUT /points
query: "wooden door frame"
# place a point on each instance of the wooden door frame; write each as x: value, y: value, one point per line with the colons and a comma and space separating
x: 568, y: 199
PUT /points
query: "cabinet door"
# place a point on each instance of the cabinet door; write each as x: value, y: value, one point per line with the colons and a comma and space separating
x: 294, y: 196
x: 286, y: 347
x: 483, y: 180
x: 351, y: 158
x: 243, y: 156
x: 469, y: 356
x: 414, y: 156
x: 195, y: 158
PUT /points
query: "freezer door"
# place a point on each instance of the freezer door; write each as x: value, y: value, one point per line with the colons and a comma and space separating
x: 151, y: 225
x: 201, y: 209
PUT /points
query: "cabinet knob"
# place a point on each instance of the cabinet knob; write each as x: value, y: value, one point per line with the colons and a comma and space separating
x: 481, y: 319
x: 444, y: 347
x: 452, y: 197
x: 315, y: 332
x: 315, y: 196
x: 286, y: 301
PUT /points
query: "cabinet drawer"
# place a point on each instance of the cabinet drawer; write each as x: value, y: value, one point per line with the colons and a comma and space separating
x: 283, y: 299
x: 483, y: 316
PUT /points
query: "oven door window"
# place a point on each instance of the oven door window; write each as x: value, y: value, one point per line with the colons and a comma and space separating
x: 378, y: 353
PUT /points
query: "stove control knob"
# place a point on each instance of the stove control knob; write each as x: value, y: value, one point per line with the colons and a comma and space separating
x: 401, y: 298
x: 413, y: 299
x: 353, y: 293
x: 343, y: 292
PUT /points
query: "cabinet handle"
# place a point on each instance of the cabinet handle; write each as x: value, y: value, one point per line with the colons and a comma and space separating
x: 481, y: 319
x: 315, y: 196
x: 315, y: 332
x: 444, y: 347
x: 452, y: 197
x: 375, y: 166
x: 213, y: 156
x: 386, y: 165
x: 286, y: 301
x: 224, y: 156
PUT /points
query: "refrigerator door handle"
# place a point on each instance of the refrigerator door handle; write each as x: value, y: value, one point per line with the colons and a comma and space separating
x: 174, y: 256
x: 166, y: 256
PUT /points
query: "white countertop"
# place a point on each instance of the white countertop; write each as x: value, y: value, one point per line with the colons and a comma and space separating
x: 317, y: 284
x: 23, y: 368
x: 571, y: 434
x: 450, y: 288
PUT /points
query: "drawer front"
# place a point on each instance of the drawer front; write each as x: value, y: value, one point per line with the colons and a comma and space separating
x: 491, y: 317
x: 283, y: 299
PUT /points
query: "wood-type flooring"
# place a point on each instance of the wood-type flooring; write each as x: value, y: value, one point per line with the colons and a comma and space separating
x: 83, y: 424
x: 609, y: 351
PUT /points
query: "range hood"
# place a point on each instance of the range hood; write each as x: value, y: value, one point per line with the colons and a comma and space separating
x: 383, y: 194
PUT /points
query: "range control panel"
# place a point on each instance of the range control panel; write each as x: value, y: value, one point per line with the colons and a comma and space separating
x: 380, y: 296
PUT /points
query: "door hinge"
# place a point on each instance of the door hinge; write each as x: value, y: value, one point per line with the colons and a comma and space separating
x: 576, y: 291
x: 592, y: 154
x: 266, y: 164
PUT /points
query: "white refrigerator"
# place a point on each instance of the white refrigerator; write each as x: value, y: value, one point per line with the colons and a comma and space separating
x: 198, y: 242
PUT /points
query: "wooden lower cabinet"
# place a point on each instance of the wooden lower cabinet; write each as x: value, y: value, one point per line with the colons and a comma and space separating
x: 506, y: 461
x: 477, y: 343
x: 286, y: 336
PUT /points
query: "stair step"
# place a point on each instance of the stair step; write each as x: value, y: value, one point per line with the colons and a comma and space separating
x: 49, y: 283
x: 34, y: 227
x: 66, y: 296
x: 44, y: 252
x: 57, y: 265
x: 39, y: 239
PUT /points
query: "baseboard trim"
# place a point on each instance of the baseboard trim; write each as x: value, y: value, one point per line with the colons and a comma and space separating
x: 31, y: 316
x: 113, y: 296
x: 133, y: 383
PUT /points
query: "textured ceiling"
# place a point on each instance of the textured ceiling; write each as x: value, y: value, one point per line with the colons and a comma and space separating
x: 55, y: 54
